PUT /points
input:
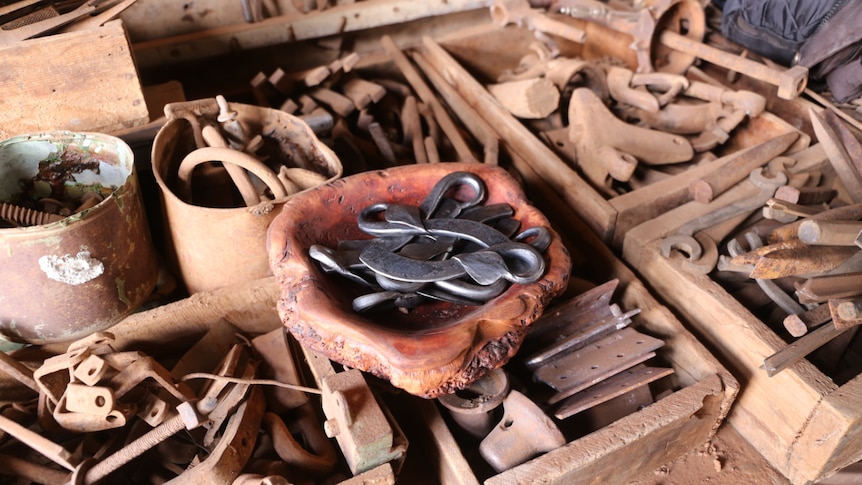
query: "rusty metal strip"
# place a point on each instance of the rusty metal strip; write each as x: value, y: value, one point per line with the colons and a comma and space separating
x: 583, y: 336
x: 599, y: 360
x: 618, y: 385
x: 567, y: 318
x: 797, y: 350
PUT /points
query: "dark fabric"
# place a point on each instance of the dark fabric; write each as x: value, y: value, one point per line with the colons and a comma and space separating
x: 845, y: 81
x: 834, y: 52
x: 823, y: 35
x: 776, y: 29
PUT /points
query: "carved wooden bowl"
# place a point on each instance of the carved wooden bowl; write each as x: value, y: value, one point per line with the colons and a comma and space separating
x: 434, y: 349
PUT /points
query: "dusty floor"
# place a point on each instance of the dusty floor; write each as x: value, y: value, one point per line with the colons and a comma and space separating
x: 726, y: 459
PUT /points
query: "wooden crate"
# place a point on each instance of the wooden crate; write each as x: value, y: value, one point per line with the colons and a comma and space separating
x: 77, y: 81
x: 801, y: 421
x: 487, y: 54
x: 638, y: 443
x: 167, y: 32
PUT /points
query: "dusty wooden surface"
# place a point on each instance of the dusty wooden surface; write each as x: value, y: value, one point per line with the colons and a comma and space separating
x: 81, y: 81
x: 726, y: 459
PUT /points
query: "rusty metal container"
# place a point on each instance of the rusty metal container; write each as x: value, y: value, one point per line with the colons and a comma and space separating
x: 209, y: 243
x: 64, y: 280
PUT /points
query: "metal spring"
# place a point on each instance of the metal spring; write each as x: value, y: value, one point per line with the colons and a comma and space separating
x: 23, y: 216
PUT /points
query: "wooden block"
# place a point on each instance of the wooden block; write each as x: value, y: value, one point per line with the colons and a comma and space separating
x: 359, y: 88
x: 527, y: 98
x: 340, y: 104
x: 80, y: 81
x: 164, y: 35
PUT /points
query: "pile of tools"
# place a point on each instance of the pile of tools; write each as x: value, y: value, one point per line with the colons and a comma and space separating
x: 372, y: 116
x: 244, y: 420
x: 581, y: 355
x: 808, y: 245
x: 447, y: 249
x: 621, y: 125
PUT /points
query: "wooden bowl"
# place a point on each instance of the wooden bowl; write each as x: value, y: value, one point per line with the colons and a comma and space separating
x: 434, y: 349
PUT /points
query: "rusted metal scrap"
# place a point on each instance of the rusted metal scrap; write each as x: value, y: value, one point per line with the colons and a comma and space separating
x: 400, y: 120
x: 588, y: 354
x: 159, y: 415
x: 807, y: 265
x: 662, y: 43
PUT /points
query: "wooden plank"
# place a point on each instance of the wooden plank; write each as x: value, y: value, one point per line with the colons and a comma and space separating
x: 648, y: 202
x: 620, y: 453
x: 80, y: 81
x: 832, y: 438
x: 337, y: 20
x: 453, y: 469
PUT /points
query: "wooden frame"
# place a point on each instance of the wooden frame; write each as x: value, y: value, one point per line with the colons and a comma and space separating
x: 610, y: 218
x: 640, y: 442
x: 804, y: 424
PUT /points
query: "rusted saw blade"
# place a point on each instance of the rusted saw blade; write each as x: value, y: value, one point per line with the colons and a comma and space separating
x: 801, y: 261
x: 570, y: 317
x: 584, y: 336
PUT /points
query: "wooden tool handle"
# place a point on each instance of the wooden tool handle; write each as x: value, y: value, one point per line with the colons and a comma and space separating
x: 829, y: 233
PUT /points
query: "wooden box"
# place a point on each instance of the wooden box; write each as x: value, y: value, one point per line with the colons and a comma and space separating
x: 638, y: 443
x: 804, y: 424
x: 77, y: 81
x: 482, y: 58
x: 800, y: 420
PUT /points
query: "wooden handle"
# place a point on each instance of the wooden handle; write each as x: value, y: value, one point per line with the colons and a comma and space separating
x: 829, y: 233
